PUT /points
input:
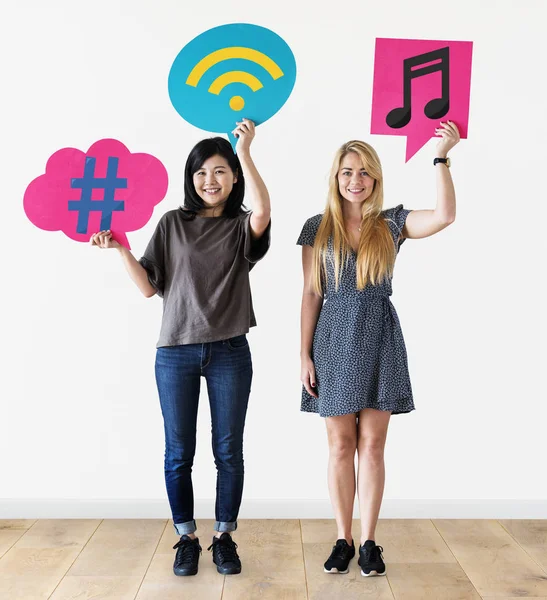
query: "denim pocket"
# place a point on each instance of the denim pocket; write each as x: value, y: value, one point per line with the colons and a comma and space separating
x: 240, y: 341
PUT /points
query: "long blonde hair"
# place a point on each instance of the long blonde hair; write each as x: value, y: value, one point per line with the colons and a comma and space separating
x: 376, y: 250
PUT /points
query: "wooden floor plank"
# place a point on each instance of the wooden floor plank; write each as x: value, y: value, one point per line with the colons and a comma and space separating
x: 272, y: 586
x: 40, y: 562
x: 160, y: 581
x: 34, y: 566
x: 35, y: 587
x: 270, y: 545
x: 16, y: 524
x: 322, y: 531
x: 272, y: 561
x: 532, y: 536
x: 412, y: 541
x: 12, y: 530
x: 434, y: 581
x: 492, y: 559
x: 59, y: 533
x: 120, y: 548
x: 83, y: 587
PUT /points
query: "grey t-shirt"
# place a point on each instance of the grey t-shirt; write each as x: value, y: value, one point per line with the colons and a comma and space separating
x: 201, y: 269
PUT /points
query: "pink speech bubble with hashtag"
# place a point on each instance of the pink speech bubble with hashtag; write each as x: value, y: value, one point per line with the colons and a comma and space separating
x: 106, y: 187
x: 417, y: 84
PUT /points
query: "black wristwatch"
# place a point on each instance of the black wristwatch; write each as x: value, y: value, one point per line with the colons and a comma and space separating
x: 445, y: 161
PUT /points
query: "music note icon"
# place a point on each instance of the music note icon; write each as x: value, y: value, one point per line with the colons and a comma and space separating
x: 434, y: 109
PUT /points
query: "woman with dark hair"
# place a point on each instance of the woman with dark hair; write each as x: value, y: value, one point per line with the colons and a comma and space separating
x: 199, y: 260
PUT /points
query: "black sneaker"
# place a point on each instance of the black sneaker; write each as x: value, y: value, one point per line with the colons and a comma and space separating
x: 340, y: 556
x: 370, y: 559
x: 225, y: 556
x: 187, y: 557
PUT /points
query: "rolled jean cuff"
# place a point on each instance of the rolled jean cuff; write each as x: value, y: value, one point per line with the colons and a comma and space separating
x: 221, y: 527
x: 185, y: 528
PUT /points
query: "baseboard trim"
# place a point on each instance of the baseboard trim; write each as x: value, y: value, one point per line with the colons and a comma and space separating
x: 15, y: 508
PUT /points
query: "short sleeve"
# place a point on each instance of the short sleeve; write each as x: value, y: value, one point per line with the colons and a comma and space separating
x: 153, y: 259
x: 396, y: 218
x: 309, y: 231
x: 255, y: 249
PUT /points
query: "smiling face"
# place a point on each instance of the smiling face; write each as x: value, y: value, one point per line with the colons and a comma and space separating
x: 214, y: 181
x: 354, y: 183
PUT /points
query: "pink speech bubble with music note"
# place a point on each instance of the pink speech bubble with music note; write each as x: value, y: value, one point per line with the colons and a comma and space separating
x: 106, y: 187
x: 417, y: 84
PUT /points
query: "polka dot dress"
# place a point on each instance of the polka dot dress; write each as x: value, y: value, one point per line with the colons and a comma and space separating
x: 358, y: 347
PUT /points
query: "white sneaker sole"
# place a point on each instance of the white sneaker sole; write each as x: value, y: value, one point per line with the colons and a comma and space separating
x: 373, y: 574
x: 335, y: 570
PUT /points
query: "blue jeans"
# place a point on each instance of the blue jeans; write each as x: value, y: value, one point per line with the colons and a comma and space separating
x: 227, y: 368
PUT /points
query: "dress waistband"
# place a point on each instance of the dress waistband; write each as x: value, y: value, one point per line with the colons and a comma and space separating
x: 361, y: 296
x: 383, y: 300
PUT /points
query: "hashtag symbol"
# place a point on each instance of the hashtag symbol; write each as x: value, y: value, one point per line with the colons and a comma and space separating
x: 87, y: 184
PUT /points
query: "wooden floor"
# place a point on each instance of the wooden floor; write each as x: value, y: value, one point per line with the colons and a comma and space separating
x: 282, y: 560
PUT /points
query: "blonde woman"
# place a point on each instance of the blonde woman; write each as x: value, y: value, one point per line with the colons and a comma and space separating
x: 354, y: 361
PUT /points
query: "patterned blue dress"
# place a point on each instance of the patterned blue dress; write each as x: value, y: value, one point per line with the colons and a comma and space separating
x: 358, y: 346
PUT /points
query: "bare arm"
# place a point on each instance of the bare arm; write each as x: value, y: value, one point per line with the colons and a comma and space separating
x: 136, y: 271
x: 423, y: 223
x: 260, y: 198
x: 311, y: 307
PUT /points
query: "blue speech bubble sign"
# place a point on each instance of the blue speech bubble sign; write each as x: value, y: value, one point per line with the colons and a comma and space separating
x: 230, y: 72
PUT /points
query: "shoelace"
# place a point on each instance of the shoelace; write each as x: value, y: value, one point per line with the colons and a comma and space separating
x: 186, y: 550
x: 374, y: 553
x: 340, y: 551
x: 226, y: 550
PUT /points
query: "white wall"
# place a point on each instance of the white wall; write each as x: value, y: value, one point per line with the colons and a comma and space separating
x: 81, y: 430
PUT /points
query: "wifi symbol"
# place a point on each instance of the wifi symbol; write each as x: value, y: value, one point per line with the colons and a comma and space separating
x: 254, y: 50
x: 236, y: 102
